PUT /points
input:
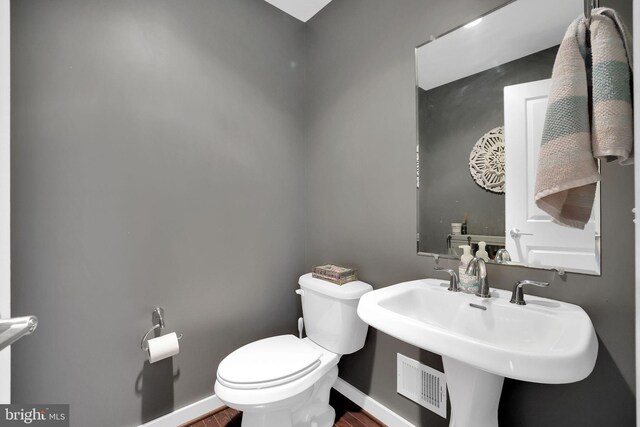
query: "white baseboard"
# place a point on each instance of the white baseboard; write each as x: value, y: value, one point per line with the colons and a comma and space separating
x: 212, y: 403
x: 187, y: 413
x: 373, y: 407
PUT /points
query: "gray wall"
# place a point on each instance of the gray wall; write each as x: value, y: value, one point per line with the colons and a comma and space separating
x: 361, y: 141
x: 157, y: 158
x: 452, y: 118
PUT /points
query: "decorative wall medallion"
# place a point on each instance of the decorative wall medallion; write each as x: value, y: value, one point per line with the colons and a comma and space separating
x: 486, y: 162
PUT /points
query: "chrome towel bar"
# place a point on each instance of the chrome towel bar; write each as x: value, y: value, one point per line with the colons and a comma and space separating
x: 589, y: 5
x: 11, y: 330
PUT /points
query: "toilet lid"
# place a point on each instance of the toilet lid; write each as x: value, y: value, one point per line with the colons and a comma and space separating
x: 268, y: 362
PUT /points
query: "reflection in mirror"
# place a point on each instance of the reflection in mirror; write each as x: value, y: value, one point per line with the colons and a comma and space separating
x: 481, y: 98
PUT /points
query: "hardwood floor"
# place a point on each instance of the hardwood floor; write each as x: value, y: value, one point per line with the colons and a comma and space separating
x: 348, y: 414
x: 225, y: 418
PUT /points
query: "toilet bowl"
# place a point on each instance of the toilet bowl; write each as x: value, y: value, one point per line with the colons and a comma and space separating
x: 279, y: 396
x: 285, y: 381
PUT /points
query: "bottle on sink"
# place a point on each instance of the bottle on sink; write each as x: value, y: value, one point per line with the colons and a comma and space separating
x: 468, y: 282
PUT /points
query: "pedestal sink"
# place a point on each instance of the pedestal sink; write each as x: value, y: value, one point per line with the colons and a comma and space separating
x: 481, y: 341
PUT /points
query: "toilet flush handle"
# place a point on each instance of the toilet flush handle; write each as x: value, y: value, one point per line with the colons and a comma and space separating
x: 300, y: 320
x: 300, y: 327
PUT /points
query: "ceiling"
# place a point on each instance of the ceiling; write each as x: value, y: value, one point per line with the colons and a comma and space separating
x: 301, y: 9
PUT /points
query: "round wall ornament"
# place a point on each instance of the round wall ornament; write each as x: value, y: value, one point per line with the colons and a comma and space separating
x: 486, y: 162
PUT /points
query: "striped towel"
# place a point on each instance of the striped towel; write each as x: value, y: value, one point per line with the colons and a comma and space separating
x: 567, y: 170
x: 612, y: 123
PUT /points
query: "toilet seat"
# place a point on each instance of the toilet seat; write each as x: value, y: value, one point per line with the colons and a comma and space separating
x: 248, y: 399
x: 268, y: 362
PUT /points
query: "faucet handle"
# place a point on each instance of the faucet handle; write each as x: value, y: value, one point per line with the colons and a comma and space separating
x: 503, y: 256
x: 453, y: 280
x: 517, y: 296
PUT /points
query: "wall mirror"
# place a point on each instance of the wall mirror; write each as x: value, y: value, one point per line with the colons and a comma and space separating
x: 481, y: 94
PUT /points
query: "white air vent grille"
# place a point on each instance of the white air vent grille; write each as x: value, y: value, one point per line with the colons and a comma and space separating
x: 423, y: 385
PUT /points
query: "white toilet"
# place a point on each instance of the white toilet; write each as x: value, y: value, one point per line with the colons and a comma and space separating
x: 284, y: 381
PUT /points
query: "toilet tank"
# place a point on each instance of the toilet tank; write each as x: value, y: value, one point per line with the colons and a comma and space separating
x: 330, y: 314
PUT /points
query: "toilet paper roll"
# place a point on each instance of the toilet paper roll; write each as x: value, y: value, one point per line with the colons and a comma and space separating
x: 163, y: 347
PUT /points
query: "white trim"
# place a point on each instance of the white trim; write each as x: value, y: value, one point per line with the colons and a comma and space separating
x: 373, y: 407
x: 187, y: 413
x: 5, y: 188
x: 212, y: 403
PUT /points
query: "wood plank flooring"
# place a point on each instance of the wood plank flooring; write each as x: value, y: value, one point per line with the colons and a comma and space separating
x: 348, y: 414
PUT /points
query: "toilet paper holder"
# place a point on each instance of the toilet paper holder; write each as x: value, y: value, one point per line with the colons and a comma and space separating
x: 157, y: 317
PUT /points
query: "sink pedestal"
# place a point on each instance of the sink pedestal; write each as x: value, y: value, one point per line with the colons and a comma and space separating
x: 474, y: 394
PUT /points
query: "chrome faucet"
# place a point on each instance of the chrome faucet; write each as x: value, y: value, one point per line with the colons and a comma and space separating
x: 517, y: 296
x: 478, y: 267
x: 502, y: 256
x: 453, y: 280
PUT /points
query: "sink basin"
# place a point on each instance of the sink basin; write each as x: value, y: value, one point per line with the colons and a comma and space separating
x: 545, y: 341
